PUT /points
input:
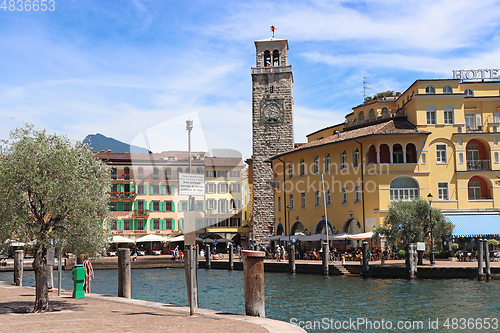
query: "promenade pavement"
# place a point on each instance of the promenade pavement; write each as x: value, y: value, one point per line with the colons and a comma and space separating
x: 96, y: 313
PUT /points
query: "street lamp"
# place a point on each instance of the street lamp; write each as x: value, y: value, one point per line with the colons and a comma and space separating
x: 429, y: 198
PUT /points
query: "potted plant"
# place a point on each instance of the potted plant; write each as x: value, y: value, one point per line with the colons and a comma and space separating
x: 454, y: 248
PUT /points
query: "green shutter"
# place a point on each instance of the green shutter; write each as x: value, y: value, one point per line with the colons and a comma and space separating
x: 120, y: 225
x: 150, y: 189
x: 163, y: 224
x: 109, y: 206
x: 145, y: 205
x: 151, y: 206
x: 145, y: 224
x: 119, y: 206
x: 179, y: 225
x: 146, y: 189
x: 204, y: 205
x: 195, y: 205
x: 136, y: 188
x: 122, y: 188
x: 135, y: 224
x: 180, y: 206
x: 173, y: 224
x: 173, y: 189
x: 151, y: 226
x: 173, y: 206
x: 132, y: 187
x: 135, y: 205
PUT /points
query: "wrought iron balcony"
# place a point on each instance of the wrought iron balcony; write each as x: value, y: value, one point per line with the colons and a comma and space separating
x: 478, y: 165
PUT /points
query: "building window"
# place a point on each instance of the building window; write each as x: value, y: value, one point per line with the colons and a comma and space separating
x: 179, y: 171
x: 344, y: 195
x: 404, y: 189
x: 474, y: 190
x: 447, y: 90
x: 140, y: 173
x: 371, y: 113
x: 169, y: 206
x: 303, y: 200
x: 357, y: 194
x: 156, y: 206
x: 168, y: 224
x: 448, y: 114
x: 441, y: 154
x: 443, y: 191
x: 114, y: 174
x: 290, y: 170
x: 328, y: 162
x: 211, y: 204
x: 222, y: 188
x: 397, y: 153
x: 126, y: 173
x: 279, y: 204
x: 430, y: 90
x: 199, y: 205
x: 316, y: 164
x: 211, y: 188
x: 469, y: 92
x: 317, y: 199
x: 141, y: 189
x: 140, y: 224
x: 431, y: 115
x: 234, y: 173
x: 361, y: 116
x: 127, y: 207
x: 184, y: 205
x: 222, y: 173
x: 423, y: 158
x: 385, y: 111
x: 355, y: 158
x: 223, y: 206
x: 210, y: 173
x: 168, y: 174
x: 302, y: 167
x: 156, y: 174
x: 329, y: 197
x: 411, y: 153
x: 126, y: 225
x: 290, y: 201
x: 154, y: 189
x: 343, y: 160
x: 112, y: 206
x: 156, y: 224
x: 235, y: 188
x: 496, y: 157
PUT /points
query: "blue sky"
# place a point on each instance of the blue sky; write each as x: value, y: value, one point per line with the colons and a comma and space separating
x: 136, y: 70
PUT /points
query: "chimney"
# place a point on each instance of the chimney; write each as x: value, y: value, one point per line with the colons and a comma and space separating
x: 102, y: 151
x: 109, y: 150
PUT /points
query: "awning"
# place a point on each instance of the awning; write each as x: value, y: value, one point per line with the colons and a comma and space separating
x: 478, y: 225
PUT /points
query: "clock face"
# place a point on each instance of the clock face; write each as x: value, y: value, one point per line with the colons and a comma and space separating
x: 272, y: 111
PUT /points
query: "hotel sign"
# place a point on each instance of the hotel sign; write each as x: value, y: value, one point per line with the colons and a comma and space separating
x: 476, y: 74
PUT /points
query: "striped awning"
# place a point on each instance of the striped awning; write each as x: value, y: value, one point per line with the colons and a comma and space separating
x: 467, y: 226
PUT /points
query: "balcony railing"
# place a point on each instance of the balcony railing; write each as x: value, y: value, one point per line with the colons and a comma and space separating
x: 126, y: 176
x: 479, y: 129
x: 271, y: 69
x: 478, y: 165
x: 141, y: 212
x: 122, y: 194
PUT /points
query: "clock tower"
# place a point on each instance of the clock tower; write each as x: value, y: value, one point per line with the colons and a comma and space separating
x: 272, y: 126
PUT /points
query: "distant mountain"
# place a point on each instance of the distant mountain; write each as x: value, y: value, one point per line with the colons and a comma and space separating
x: 100, y: 142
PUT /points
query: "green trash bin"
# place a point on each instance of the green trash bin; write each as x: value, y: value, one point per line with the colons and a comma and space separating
x: 78, y: 275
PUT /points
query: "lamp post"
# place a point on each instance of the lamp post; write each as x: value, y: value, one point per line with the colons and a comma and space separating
x: 429, y: 198
x: 291, y: 247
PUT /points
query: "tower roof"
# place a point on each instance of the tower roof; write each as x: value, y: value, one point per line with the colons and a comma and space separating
x: 272, y: 39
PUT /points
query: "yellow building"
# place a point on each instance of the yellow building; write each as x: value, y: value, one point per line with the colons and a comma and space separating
x: 439, y: 137
x: 224, y: 197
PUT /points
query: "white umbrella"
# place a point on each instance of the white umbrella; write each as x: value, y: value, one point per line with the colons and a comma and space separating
x: 366, y: 235
x: 276, y: 238
x: 121, y: 239
x: 180, y: 238
x: 152, y: 238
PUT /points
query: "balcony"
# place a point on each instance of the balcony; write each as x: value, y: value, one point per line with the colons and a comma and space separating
x: 122, y: 195
x: 271, y: 69
x: 141, y: 212
x: 479, y: 129
x: 474, y: 165
x: 126, y: 176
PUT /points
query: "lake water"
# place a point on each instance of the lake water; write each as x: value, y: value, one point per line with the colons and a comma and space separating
x: 328, y: 301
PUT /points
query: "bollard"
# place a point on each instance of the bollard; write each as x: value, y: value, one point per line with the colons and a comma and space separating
x: 487, y: 259
x: 78, y: 275
x: 411, y: 266
x: 18, y: 267
x: 382, y: 261
x: 326, y: 253
x: 208, y: 264
x: 365, y: 259
x: 124, y: 273
x: 231, y: 256
x: 291, y: 258
x: 253, y: 271
x: 480, y: 260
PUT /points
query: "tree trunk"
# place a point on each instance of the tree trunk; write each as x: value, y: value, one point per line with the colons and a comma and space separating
x: 42, y: 293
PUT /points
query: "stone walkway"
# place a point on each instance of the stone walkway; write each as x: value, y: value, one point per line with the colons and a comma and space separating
x: 96, y: 313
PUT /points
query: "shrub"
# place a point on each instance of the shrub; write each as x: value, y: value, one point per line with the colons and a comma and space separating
x: 401, y: 254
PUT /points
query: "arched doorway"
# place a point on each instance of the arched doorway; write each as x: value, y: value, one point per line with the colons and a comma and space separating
x: 280, y: 230
x: 320, y: 228
x: 298, y: 229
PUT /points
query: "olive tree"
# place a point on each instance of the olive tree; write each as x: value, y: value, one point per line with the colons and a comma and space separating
x: 51, y: 189
x: 408, y: 222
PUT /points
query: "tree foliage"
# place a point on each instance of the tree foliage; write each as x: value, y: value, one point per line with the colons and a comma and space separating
x: 408, y: 222
x: 51, y: 190
x: 388, y: 93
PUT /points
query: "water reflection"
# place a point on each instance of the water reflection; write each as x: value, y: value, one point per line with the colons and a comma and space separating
x: 311, y: 297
